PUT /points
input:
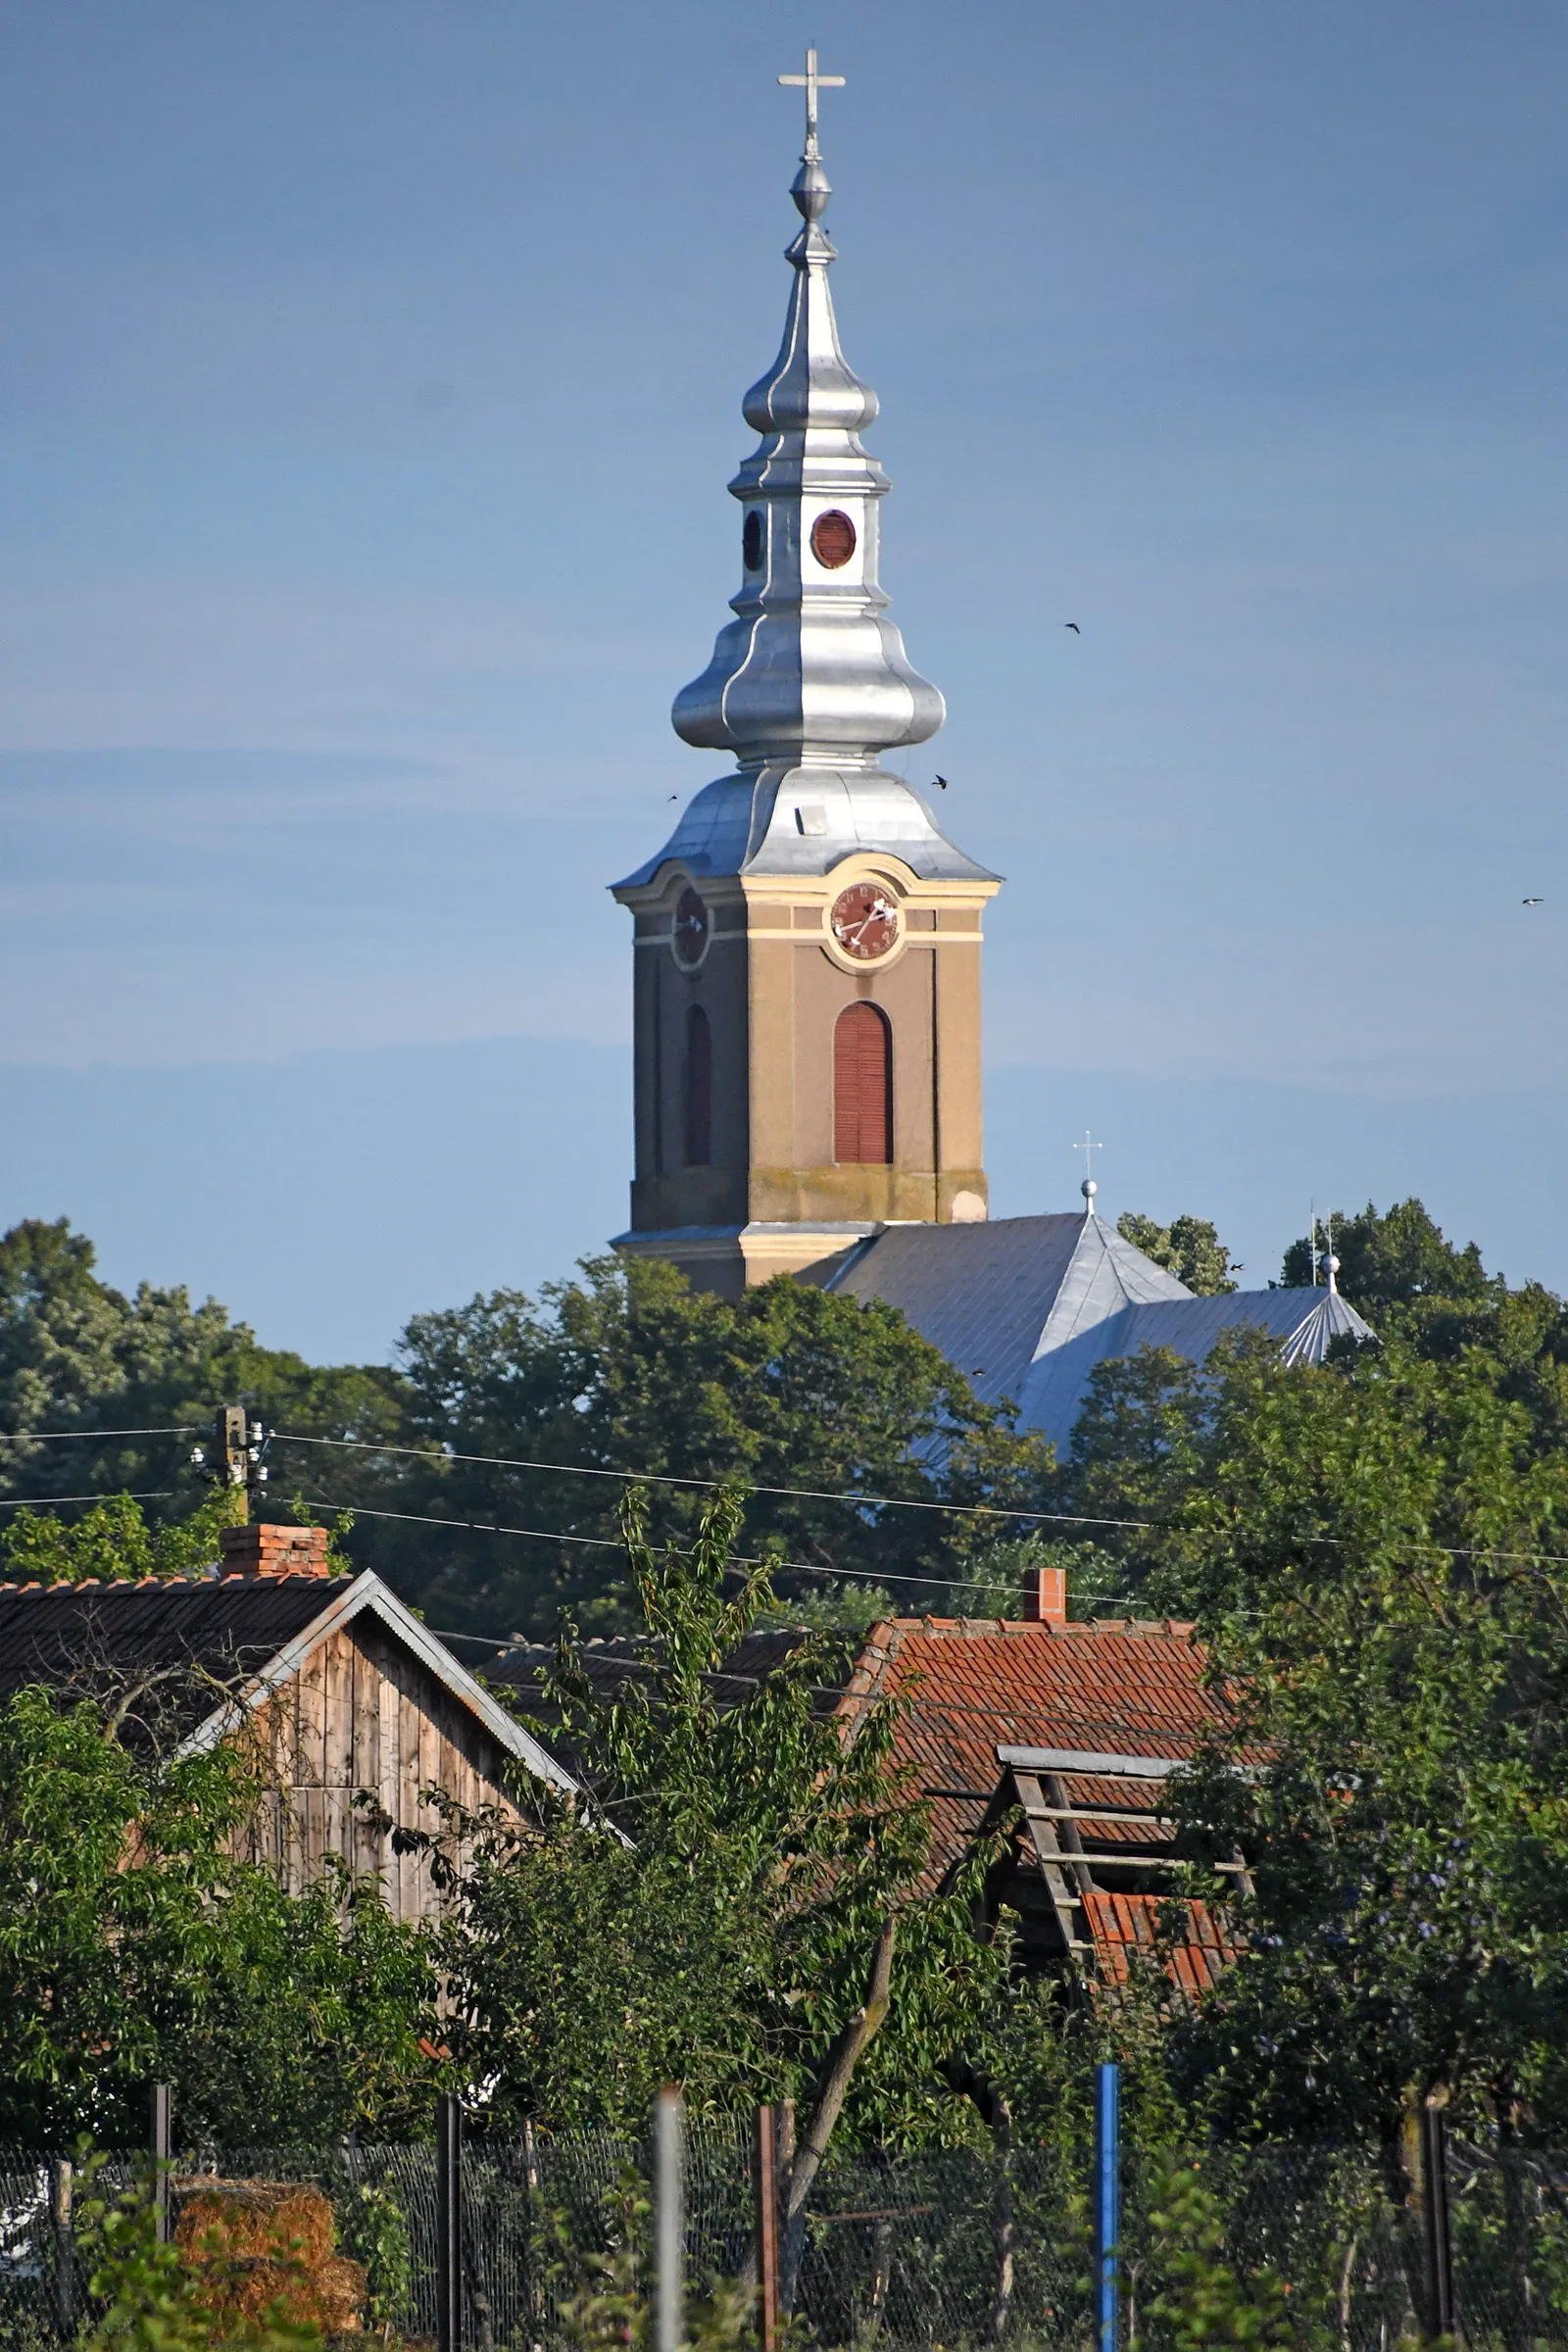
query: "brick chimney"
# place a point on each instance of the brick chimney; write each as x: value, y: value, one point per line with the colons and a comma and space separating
x: 1044, y: 1596
x: 275, y: 1551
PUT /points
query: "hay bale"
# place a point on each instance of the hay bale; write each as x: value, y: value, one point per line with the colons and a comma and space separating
x: 268, y: 2244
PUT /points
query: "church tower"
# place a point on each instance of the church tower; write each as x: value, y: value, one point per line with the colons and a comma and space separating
x: 807, y: 940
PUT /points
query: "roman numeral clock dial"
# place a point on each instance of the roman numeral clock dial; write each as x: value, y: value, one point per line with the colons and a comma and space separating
x: 865, y: 921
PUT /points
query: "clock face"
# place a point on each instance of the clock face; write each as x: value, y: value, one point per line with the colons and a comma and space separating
x: 865, y: 921
x: 688, y: 933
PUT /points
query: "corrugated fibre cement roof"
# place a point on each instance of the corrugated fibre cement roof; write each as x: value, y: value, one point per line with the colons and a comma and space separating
x: 96, y: 1634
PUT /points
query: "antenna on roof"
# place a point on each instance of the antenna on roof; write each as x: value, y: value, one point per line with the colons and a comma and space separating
x: 1088, y: 1187
x: 1311, y: 1247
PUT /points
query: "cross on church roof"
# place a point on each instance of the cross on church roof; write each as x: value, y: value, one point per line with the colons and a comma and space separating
x: 1088, y: 1187
x: 811, y: 82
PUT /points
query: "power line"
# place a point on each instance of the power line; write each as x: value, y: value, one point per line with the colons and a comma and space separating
x: 898, y: 1502
x: 548, y: 1534
x: 655, y: 1478
x: 44, y: 1502
x: 40, y: 1437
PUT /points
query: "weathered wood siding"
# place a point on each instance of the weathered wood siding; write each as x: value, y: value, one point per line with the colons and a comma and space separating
x: 363, y: 1714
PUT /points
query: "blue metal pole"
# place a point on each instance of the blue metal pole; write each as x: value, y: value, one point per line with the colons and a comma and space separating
x: 1107, y: 2205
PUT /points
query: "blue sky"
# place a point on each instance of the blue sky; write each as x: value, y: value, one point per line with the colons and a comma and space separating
x: 370, y: 383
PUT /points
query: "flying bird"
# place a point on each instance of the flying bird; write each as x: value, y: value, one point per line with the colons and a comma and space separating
x: 674, y: 795
x: 941, y: 783
x: 1073, y: 625
x: 1531, y: 902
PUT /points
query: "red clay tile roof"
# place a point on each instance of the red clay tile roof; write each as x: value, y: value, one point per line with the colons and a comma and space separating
x: 973, y: 1686
x: 1121, y: 1922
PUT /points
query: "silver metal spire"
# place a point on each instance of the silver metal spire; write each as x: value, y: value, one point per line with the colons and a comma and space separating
x: 809, y: 672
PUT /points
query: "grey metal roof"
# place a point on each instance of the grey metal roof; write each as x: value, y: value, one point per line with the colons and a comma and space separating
x: 805, y: 820
x: 991, y: 1296
x: 1303, y: 1320
x: 1027, y: 1306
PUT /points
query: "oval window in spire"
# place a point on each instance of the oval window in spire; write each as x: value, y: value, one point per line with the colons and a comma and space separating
x: 751, y: 541
x: 833, y: 539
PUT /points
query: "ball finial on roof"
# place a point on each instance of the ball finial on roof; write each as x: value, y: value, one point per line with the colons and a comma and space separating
x: 1088, y: 1187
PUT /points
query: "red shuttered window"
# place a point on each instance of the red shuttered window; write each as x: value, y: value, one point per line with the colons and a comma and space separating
x: 862, y: 1085
x: 699, y: 1089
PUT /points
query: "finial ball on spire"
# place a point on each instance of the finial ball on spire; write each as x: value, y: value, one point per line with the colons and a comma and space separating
x: 1088, y: 1187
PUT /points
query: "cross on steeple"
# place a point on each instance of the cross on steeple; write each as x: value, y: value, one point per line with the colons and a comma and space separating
x: 1088, y: 1187
x: 811, y: 82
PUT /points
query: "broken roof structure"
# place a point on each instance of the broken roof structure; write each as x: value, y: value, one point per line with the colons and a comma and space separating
x: 1106, y: 1710
x: 1067, y: 1734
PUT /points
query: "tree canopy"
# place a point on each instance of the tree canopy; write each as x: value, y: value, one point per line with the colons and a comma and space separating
x: 1391, y: 1258
x: 713, y: 1916
x: 1376, y: 1553
x: 626, y: 1370
x: 622, y: 1370
x: 78, y: 1357
x: 1189, y: 1248
x: 134, y: 1948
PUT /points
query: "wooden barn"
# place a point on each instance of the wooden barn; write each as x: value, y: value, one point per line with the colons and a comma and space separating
x: 348, y: 1693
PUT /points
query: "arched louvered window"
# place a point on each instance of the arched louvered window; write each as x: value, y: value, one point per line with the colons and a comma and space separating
x: 699, y: 1089
x: 862, y: 1085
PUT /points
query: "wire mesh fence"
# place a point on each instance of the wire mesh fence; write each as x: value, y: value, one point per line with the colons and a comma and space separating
x: 951, y: 2249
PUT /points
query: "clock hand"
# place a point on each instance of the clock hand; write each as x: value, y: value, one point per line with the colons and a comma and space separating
x: 877, y: 911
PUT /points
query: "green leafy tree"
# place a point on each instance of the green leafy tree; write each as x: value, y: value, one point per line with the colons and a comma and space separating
x: 628, y: 1369
x: 1199, y: 2297
x: 114, y: 1539
x: 1373, y: 1553
x: 1392, y: 1259
x: 1190, y: 1248
x: 80, y: 1357
x: 117, y: 1539
x: 740, y: 1908
x: 135, y: 1947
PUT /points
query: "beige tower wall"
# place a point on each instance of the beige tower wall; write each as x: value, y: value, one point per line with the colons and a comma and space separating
x: 773, y: 984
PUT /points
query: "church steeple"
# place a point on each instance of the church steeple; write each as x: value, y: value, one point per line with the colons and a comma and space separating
x: 810, y: 670
x: 808, y: 967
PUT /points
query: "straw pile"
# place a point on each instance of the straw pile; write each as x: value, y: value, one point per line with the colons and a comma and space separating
x: 261, y: 2245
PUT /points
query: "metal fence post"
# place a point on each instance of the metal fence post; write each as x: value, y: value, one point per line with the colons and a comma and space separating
x: 767, y: 2174
x: 163, y: 2152
x: 1435, y: 2207
x: 448, y: 2223
x: 62, y: 2182
x: 1108, y: 2206
x: 669, y: 2222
